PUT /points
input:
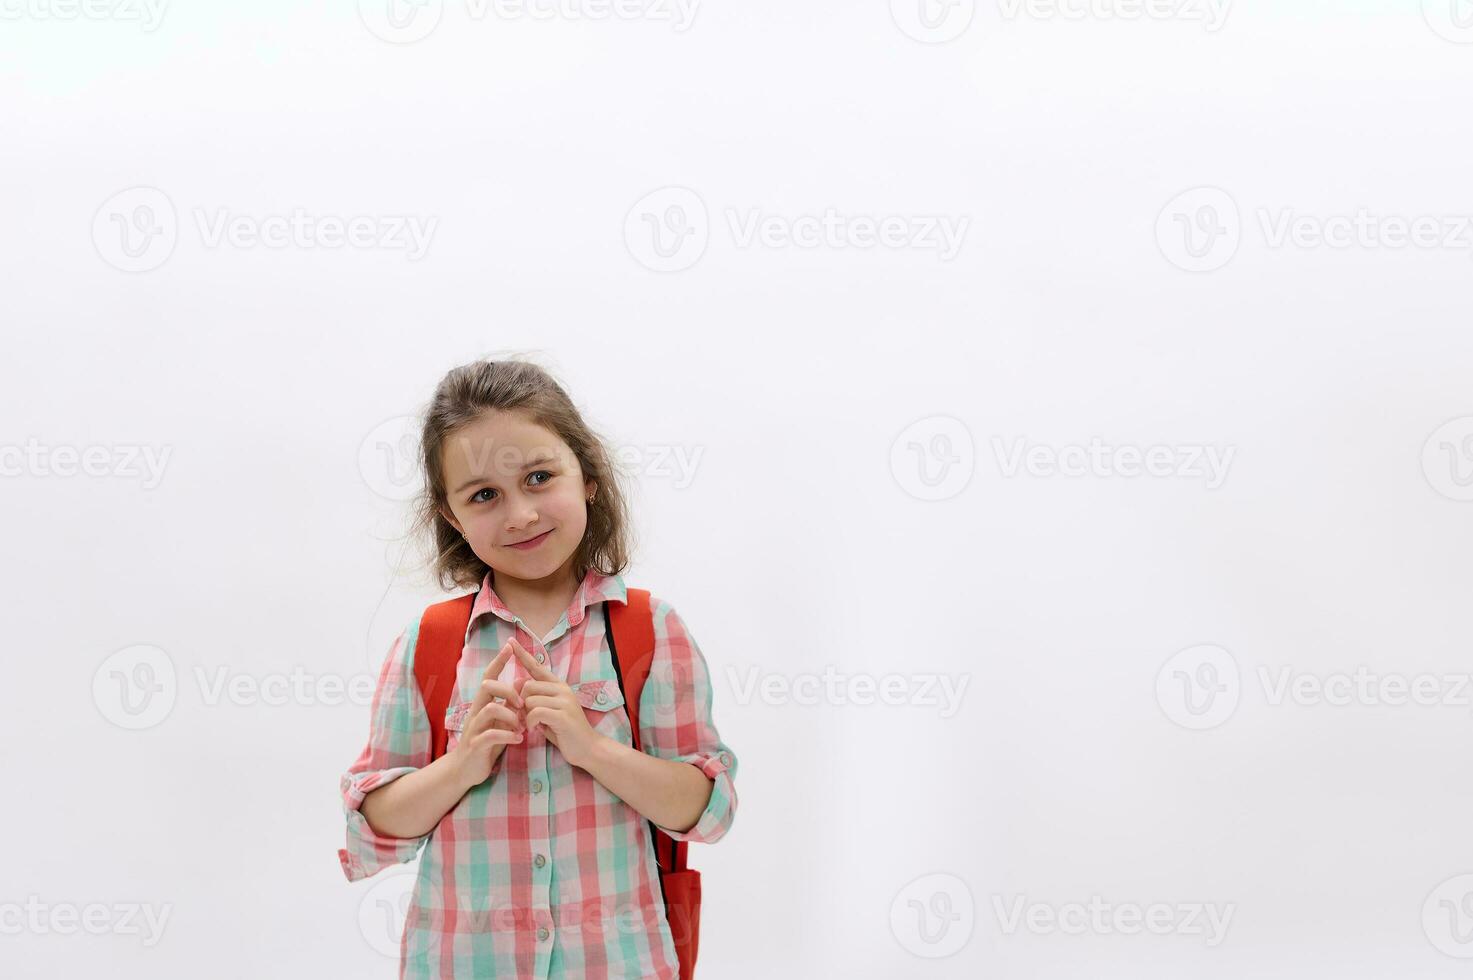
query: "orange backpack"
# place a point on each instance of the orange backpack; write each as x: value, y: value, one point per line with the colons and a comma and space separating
x: 631, y: 633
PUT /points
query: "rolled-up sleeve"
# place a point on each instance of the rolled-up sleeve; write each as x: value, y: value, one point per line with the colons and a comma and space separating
x: 675, y: 722
x: 398, y: 743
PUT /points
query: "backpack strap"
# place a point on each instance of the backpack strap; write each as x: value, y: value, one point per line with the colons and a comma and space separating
x: 436, y: 657
x: 632, y: 643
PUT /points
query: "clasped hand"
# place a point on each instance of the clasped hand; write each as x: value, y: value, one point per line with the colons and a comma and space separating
x: 501, y: 712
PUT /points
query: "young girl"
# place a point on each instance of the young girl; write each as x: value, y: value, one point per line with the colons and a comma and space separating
x: 538, y: 860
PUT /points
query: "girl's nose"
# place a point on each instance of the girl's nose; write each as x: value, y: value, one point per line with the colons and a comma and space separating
x: 521, y: 519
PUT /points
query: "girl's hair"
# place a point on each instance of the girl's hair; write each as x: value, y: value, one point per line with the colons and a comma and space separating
x: 468, y: 392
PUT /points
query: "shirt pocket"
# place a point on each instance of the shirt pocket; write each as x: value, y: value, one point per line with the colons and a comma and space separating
x: 603, y: 705
x: 456, y: 717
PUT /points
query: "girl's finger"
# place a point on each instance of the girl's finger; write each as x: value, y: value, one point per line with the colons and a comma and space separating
x: 540, y: 700
x: 538, y: 671
x: 491, y: 736
x: 497, y: 712
x: 501, y: 689
x: 543, y: 687
x: 493, y: 669
x: 482, y: 696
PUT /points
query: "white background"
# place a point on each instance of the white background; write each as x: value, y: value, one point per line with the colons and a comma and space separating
x: 803, y: 539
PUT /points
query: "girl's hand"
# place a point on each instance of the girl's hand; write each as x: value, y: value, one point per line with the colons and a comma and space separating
x: 552, y: 704
x: 490, y: 725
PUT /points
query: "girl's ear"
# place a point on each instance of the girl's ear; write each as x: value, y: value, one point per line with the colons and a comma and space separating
x: 445, y: 513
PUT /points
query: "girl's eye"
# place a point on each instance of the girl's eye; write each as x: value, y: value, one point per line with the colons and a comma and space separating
x: 477, y: 499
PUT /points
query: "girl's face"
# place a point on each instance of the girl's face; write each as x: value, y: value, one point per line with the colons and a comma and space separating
x: 509, y: 482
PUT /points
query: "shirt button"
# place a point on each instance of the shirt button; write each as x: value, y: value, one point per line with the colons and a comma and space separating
x: 725, y: 759
x: 542, y: 658
x: 601, y: 697
x: 542, y: 933
x: 536, y: 785
x: 539, y: 860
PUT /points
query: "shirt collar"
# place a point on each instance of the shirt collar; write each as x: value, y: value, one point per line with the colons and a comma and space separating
x: 596, y: 587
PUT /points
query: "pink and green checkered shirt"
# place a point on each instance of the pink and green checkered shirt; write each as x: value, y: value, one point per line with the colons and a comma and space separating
x: 540, y: 871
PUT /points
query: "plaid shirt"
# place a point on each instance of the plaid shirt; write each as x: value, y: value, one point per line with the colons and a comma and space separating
x: 540, y: 871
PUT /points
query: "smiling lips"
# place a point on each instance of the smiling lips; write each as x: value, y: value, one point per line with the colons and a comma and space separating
x: 531, y: 543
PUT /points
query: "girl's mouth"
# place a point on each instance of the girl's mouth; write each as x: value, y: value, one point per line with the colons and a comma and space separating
x: 533, y: 542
